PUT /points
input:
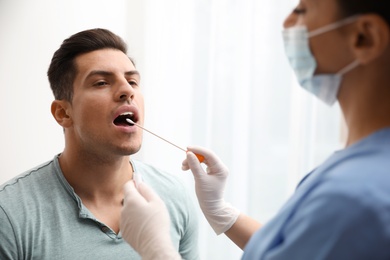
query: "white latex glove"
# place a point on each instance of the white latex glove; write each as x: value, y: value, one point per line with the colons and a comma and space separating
x: 145, y: 223
x: 209, y: 187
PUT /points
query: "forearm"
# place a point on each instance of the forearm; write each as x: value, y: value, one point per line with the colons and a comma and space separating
x: 242, y: 230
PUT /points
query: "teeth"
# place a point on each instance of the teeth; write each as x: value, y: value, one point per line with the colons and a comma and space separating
x: 127, y: 113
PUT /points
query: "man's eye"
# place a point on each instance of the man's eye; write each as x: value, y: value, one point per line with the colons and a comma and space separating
x: 133, y: 83
x: 101, y: 83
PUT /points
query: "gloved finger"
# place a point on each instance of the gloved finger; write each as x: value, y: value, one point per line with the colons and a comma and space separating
x: 131, y: 194
x: 211, y: 158
x: 129, y: 188
x: 147, y: 192
x: 184, y: 165
x: 194, y: 164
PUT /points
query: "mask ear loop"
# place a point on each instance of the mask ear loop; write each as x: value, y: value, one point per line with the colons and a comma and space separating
x: 349, y: 67
x: 333, y: 26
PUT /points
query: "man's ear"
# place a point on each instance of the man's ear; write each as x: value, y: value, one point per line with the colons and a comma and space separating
x: 60, y: 111
x: 371, y: 39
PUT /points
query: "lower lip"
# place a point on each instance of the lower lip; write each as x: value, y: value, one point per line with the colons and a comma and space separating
x: 127, y: 128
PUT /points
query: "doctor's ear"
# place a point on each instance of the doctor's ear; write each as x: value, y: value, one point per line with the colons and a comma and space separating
x: 60, y: 110
x: 372, y: 38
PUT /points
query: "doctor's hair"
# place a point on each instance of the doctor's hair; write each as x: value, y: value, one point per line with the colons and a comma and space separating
x: 62, y: 70
x: 379, y: 7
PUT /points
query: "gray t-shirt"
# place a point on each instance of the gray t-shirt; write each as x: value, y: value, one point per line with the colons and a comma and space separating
x: 41, y: 217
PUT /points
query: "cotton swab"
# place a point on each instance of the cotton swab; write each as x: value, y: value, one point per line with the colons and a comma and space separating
x: 200, y: 157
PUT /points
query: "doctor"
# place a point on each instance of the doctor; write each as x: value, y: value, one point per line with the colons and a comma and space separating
x: 340, y: 51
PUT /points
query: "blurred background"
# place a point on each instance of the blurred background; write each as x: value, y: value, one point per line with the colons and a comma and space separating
x: 214, y: 74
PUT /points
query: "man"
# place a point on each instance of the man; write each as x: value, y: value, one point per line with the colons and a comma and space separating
x: 69, y: 207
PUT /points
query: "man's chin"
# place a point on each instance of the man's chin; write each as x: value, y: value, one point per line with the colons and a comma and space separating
x: 133, y: 150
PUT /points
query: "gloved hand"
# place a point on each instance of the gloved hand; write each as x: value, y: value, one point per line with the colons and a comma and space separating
x: 209, y: 188
x: 145, y: 223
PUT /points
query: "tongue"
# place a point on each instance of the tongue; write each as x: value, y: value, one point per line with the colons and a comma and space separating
x: 120, y: 121
x: 121, y: 124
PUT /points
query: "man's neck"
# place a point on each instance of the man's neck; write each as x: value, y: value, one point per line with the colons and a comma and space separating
x: 93, y: 179
x: 98, y: 182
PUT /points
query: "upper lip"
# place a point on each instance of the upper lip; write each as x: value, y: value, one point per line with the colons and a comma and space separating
x: 127, y: 108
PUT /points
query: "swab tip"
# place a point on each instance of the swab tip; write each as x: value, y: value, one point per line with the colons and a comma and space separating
x: 130, y: 121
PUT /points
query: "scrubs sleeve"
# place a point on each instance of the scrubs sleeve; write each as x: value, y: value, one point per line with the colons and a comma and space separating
x: 332, y: 223
x: 8, y: 246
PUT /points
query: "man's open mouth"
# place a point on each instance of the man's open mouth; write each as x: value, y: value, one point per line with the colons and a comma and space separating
x: 121, y: 119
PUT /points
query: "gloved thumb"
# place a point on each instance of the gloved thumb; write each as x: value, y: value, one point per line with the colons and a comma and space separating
x: 194, y: 164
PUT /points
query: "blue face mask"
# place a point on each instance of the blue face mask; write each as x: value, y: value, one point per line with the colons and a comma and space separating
x: 296, y: 43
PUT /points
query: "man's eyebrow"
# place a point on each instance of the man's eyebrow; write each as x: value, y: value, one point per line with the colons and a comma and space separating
x: 132, y: 72
x: 108, y: 73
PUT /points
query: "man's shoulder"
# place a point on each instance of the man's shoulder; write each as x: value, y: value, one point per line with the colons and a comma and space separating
x: 27, y: 183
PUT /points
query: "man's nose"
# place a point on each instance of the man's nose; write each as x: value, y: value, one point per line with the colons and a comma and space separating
x: 125, y: 91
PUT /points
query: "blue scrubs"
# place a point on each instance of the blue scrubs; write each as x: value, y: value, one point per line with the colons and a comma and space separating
x: 341, y: 210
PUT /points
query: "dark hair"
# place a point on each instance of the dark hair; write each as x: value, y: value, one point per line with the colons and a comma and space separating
x: 380, y: 7
x: 62, y: 70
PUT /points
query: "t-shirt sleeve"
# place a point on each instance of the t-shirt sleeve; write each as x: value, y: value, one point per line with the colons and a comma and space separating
x: 332, y: 224
x: 8, y: 246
